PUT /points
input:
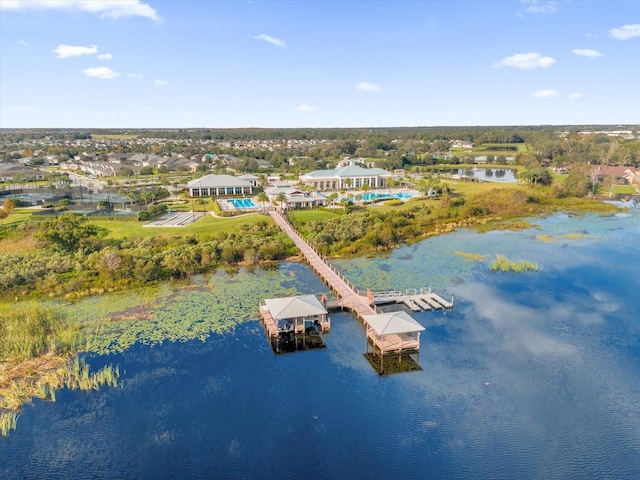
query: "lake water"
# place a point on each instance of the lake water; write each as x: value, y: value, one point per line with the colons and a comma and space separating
x: 532, y: 376
x: 503, y: 175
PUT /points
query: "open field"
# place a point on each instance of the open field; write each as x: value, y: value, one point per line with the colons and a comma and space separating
x: 494, y: 149
x: 205, y: 226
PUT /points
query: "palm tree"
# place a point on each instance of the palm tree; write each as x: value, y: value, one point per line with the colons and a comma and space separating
x: 263, y: 198
x: 281, y: 198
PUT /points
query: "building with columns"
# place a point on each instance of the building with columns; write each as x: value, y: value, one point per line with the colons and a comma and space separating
x: 219, y: 185
x: 348, y: 177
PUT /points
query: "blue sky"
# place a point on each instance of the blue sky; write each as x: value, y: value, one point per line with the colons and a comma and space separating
x: 223, y: 64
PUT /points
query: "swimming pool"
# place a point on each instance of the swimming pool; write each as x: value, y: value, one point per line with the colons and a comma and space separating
x: 242, y: 203
x: 369, y: 196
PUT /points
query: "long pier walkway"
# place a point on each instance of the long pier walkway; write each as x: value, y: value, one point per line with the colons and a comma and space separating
x: 348, y: 294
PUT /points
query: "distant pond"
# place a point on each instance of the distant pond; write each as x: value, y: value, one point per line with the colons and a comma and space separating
x: 503, y: 175
x: 532, y: 376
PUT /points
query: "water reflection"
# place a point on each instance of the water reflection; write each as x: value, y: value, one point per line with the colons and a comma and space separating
x: 532, y: 375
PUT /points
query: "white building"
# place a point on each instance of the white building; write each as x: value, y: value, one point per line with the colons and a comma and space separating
x: 351, y: 176
x: 219, y: 185
x: 294, y: 197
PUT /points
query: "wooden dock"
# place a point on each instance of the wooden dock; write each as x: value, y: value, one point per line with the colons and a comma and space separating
x: 349, y: 297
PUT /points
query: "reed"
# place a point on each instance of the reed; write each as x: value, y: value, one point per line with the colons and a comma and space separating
x: 503, y: 264
x: 476, y: 257
x: 29, y: 330
x: 8, y: 421
x: 545, y: 238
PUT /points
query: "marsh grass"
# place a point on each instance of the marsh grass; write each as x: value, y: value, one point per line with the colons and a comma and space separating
x: 28, y: 330
x: 73, y: 374
x: 8, y: 422
x: 503, y: 264
x: 545, y: 238
x: 475, y: 257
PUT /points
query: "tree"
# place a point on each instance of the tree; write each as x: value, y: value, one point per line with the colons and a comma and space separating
x: 263, y: 198
x: 69, y: 233
x: 281, y: 198
x: 609, y: 183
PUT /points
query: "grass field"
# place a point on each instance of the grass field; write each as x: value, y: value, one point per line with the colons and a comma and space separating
x: 206, y: 225
x: 312, y: 215
x: 499, y: 149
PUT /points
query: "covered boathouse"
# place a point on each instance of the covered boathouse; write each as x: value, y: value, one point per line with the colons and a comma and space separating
x: 395, y: 340
x: 295, y: 323
x: 393, y: 332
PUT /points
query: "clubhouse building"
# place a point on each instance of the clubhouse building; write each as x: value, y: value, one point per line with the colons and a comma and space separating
x: 219, y: 185
x: 348, y: 177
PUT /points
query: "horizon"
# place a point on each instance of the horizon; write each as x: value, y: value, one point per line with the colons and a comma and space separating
x: 318, y: 65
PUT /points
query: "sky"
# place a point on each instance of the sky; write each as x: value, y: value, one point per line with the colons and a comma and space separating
x: 332, y: 63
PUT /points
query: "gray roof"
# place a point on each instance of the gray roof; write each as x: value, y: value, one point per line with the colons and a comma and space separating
x: 248, y: 176
x: 218, y: 181
x: 393, y: 322
x: 348, y: 171
x: 292, y: 307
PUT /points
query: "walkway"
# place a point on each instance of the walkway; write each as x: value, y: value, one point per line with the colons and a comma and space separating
x: 349, y: 295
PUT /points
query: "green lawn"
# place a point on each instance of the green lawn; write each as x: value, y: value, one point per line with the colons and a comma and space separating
x: 313, y: 215
x: 624, y: 190
x: 493, y: 149
x: 204, y: 226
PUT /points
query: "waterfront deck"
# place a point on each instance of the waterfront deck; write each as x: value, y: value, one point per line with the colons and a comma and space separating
x: 362, y: 306
x: 349, y: 296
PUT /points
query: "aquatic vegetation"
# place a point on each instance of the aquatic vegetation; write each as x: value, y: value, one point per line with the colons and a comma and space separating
x: 545, y: 238
x: 73, y: 374
x: 189, y: 311
x: 574, y: 236
x: 503, y: 264
x: 516, y: 225
x: 8, y: 422
x: 470, y: 256
x: 28, y: 330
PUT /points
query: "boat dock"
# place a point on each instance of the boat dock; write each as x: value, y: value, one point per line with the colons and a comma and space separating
x: 364, y: 306
x: 415, y: 300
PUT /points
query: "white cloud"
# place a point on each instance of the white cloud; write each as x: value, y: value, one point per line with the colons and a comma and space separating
x: 368, y: 87
x: 272, y: 40
x: 135, y: 75
x: 22, y: 43
x: 305, y: 108
x: 525, y: 61
x: 575, y: 96
x: 65, y: 51
x: 544, y: 8
x: 585, y: 52
x: 105, y: 8
x: 160, y: 83
x: 626, y: 32
x: 103, y: 73
x: 105, y: 56
x: 545, y: 94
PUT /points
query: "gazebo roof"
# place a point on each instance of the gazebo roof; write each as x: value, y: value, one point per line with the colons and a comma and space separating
x: 393, y: 322
x: 292, y: 307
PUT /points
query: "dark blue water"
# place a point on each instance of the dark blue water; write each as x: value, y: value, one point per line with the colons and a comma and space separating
x: 533, y: 375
